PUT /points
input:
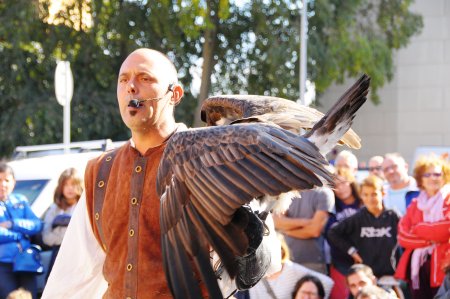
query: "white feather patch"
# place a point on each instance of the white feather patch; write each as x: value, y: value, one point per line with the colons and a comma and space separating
x: 278, y: 204
x: 224, y: 121
x: 326, y: 142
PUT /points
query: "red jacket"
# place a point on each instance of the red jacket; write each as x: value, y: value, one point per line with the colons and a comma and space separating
x: 414, y: 233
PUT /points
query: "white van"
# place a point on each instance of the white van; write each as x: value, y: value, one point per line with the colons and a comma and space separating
x: 37, y: 178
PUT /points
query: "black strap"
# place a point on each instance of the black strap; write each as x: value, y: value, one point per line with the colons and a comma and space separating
x: 99, y: 192
x: 269, y: 288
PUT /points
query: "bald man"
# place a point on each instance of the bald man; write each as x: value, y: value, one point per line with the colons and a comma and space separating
x: 112, y: 246
x: 395, y: 170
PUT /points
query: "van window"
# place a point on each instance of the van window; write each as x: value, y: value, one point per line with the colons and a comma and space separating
x: 30, y: 188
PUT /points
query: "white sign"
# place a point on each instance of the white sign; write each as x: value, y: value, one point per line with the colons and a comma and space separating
x: 64, y: 93
x: 63, y: 82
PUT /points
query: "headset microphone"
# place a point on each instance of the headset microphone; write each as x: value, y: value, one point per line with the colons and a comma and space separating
x: 135, y: 103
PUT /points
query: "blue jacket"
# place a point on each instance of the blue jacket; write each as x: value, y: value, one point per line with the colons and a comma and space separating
x: 24, y: 223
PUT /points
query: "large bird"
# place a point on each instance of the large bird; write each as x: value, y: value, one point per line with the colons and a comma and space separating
x: 233, y: 109
x: 209, y: 177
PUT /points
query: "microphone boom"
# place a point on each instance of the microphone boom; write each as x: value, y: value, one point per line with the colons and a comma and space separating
x: 135, y: 103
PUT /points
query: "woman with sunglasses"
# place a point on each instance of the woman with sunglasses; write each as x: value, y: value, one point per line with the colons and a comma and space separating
x: 424, y: 230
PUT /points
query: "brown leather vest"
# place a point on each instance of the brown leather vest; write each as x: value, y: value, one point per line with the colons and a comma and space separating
x: 130, y: 223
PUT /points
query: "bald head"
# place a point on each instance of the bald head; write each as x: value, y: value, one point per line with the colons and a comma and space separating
x: 159, y: 61
x: 150, y: 77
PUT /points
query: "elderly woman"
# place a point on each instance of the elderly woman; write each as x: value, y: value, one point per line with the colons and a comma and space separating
x: 17, y: 222
x: 424, y: 230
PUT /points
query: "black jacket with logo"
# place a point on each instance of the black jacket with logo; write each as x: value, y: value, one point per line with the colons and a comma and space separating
x: 375, y: 239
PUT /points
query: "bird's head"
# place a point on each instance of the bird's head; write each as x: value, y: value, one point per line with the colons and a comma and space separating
x: 222, y: 110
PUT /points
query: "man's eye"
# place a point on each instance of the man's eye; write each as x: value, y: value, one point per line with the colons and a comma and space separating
x: 123, y: 80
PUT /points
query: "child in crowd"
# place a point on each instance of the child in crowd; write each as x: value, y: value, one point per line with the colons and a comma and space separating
x: 370, y: 235
x: 57, y: 218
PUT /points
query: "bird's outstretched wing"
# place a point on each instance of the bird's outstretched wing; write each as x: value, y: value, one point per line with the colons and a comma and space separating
x: 205, y: 177
x: 338, y: 119
x: 224, y: 109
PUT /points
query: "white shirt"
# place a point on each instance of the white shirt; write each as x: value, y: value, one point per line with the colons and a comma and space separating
x: 284, y: 284
x: 395, y: 199
x: 77, y: 272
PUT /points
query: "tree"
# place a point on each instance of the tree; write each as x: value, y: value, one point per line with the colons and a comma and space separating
x: 346, y: 38
x: 245, y: 47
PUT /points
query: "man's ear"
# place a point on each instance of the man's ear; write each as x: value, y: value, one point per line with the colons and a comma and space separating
x: 177, y: 95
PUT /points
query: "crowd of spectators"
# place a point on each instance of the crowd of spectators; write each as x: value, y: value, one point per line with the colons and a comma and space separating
x: 388, y: 228
x: 18, y: 223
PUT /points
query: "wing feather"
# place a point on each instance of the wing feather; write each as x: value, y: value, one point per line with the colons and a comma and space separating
x: 234, y: 194
x: 209, y: 183
x: 179, y: 264
x: 212, y: 209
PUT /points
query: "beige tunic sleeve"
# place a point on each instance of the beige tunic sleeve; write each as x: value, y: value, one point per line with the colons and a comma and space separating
x: 77, y: 272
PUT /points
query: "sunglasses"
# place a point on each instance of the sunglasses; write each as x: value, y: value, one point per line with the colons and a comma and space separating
x: 432, y: 174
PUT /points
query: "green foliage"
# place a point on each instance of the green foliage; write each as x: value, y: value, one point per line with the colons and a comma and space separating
x: 257, y: 52
x: 360, y: 36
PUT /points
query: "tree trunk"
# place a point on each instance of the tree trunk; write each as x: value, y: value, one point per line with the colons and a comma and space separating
x: 209, y: 48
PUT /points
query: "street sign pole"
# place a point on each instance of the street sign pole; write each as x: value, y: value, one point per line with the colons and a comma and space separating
x: 64, y: 92
x: 67, y: 126
x: 303, y: 47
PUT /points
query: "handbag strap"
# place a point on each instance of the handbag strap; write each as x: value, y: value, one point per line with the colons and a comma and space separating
x: 269, y: 288
x: 100, y: 190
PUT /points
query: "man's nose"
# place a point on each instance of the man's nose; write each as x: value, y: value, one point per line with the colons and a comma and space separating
x: 131, y: 87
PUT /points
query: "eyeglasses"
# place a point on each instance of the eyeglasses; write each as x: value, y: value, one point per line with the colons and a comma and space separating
x: 378, y: 168
x: 432, y: 174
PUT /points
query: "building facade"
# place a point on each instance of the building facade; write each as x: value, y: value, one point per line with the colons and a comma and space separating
x: 415, y: 106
